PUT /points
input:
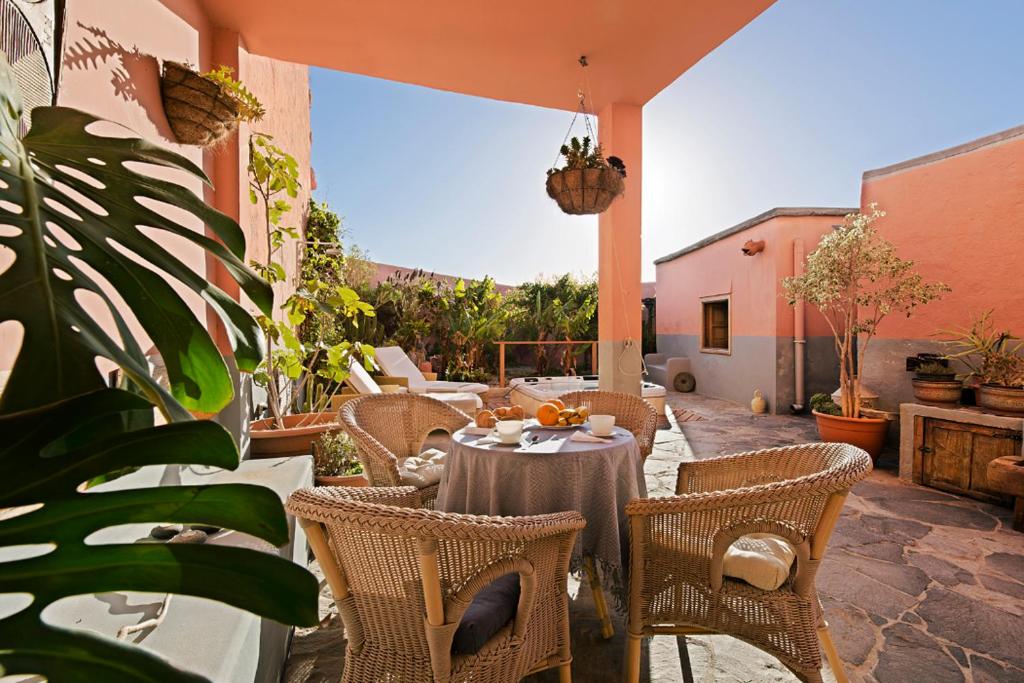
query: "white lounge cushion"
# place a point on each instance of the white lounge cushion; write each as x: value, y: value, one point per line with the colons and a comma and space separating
x: 464, y: 401
x: 360, y: 379
x: 762, y: 560
x: 422, y: 470
x: 442, y: 386
x: 396, y: 363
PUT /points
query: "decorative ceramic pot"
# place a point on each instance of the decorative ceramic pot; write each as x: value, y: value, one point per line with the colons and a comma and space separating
x: 863, y: 432
x: 941, y: 393
x: 351, y: 480
x: 1007, y: 400
x: 297, y: 437
x: 757, y: 404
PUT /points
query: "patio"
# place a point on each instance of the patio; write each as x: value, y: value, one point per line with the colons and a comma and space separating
x: 917, y: 584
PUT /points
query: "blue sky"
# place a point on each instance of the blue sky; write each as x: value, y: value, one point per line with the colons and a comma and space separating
x: 788, y: 112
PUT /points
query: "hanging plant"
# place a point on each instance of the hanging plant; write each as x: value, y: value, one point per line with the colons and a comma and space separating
x: 204, y: 109
x: 587, y: 183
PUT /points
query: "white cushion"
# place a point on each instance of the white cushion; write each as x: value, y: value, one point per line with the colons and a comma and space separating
x: 762, y: 560
x: 360, y: 379
x: 466, y: 402
x: 422, y: 470
x: 442, y: 386
x: 397, y: 364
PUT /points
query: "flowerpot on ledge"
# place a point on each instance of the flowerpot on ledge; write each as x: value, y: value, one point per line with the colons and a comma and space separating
x: 297, y: 437
x: 1000, y: 399
x: 351, y: 480
x: 943, y: 393
x: 863, y: 432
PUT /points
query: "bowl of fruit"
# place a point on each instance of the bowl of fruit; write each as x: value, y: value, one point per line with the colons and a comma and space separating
x: 556, y: 415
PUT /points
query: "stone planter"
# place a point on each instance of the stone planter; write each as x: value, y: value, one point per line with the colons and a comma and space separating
x: 351, y: 480
x: 1001, y: 400
x: 863, y: 432
x: 943, y: 393
x: 297, y: 437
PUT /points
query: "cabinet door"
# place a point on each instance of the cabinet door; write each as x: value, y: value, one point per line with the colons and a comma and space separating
x: 990, y: 444
x: 946, y: 456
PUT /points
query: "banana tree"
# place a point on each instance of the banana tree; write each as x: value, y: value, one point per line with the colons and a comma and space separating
x: 72, y: 208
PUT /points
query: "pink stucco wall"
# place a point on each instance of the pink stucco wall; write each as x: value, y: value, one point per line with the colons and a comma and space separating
x: 110, y: 68
x: 959, y: 214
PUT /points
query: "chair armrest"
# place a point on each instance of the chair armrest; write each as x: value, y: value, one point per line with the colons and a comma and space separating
x: 317, y: 503
x: 386, y: 379
x: 429, y: 376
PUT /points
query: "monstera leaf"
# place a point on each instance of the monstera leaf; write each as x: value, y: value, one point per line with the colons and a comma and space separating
x: 76, y: 211
x: 77, y: 204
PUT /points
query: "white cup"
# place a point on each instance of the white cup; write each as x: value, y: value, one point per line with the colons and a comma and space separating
x: 602, y: 425
x: 509, y: 431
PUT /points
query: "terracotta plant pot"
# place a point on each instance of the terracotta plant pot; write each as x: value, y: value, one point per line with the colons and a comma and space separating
x: 351, y: 480
x: 297, y: 437
x: 581, y: 191
x: 863, y: 432
x: 1004, y: 400
x: 941, y: 393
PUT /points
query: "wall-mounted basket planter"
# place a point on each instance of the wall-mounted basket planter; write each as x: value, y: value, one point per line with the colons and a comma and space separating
x: 201, y: 112
x: 581, y: 191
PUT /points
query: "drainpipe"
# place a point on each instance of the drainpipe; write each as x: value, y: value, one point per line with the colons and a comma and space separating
x: 799, y: 339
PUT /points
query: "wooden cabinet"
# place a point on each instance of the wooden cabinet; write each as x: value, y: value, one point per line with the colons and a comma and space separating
x: 954, y: 456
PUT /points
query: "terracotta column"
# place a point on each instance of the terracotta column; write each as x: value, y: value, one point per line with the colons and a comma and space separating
x: 620, y: 129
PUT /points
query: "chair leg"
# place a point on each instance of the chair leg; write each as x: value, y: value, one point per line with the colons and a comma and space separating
x: 599, y: 602
x: 830, y: 653
x: 631, y: 669
x: 565, y: 673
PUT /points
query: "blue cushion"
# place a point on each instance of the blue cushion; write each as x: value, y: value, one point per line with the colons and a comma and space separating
x: 490, y: 610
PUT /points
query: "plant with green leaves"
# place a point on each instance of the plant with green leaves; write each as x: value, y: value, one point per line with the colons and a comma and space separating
x: 992, y: 356
x: 823, y: 403
x: 563, y: 309
x: 293, y: 365
x: 67, y: 196
x: 249, y: 107
x: 856, y: 280
x: 580, y: 154
x: 473, y: 316
x: 335, y: 455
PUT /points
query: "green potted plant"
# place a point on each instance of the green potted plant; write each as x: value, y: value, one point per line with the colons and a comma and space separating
x: 336, y: 462
x: 204, y: 109
x: 855, y: 279
x: 587, y: 183
x: 300, y: 376
x: 935, y: 384
x: 996, y: 364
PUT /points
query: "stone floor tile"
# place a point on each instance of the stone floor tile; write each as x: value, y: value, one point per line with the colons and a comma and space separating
x: 974, y: 625
x: 910, y: 655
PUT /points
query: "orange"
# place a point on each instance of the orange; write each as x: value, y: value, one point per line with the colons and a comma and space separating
x: 547, y: 414
x: 557, y: 402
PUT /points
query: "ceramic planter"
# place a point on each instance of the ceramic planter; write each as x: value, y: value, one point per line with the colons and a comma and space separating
x: 941, y: 393
x: 351, y: 480
x: 863, y: 432
x: 1005, y: 400
x: 297, y: 437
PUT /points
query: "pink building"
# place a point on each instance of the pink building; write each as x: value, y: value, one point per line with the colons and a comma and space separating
x: 724, y: 309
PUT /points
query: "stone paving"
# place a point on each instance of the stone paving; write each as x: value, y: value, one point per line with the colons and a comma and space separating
x: 917, y: 585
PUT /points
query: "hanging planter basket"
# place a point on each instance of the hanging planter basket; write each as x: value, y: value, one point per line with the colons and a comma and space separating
x: 581, y: 191
x: 201, y: 111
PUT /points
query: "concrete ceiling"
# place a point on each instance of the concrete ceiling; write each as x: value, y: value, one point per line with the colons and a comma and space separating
x: 519, y: 51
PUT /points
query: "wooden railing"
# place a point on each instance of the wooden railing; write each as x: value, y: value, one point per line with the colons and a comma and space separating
x: 503, y: 344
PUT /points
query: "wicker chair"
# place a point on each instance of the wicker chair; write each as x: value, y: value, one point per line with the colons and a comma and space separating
x: 677, y: 546
x: 402, y: 579
x: 631, y: 412
x: 386, y: 427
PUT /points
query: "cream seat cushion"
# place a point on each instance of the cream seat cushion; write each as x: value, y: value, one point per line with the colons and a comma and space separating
x: 762, y: 560
x: 422, y: 470
x: 466, y: 402
x: 397, y: 364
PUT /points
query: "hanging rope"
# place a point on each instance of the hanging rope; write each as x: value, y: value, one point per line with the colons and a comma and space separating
x: 583, y: 95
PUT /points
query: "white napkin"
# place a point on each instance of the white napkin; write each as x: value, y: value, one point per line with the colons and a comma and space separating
x: 477, y: 431
x: 583, y: 437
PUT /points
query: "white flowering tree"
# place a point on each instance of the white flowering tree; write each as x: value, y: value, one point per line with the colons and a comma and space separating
x: 855, y: 279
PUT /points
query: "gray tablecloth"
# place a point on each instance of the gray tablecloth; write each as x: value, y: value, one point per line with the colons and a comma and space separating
x: 555, y: 475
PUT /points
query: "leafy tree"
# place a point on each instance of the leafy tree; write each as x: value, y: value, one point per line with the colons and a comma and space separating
x: 855, y: 279
x: 564, y: 309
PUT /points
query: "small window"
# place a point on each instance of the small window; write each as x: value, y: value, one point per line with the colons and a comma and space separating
x: 715, y: 332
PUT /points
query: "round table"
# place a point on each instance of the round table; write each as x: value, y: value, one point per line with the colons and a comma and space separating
x: 555, y: 474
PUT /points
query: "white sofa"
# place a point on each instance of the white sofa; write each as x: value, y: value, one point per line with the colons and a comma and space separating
x: 661, y: 369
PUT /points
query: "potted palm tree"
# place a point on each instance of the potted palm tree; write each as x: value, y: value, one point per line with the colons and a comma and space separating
x: 855, y: 279
x: 996, y: 363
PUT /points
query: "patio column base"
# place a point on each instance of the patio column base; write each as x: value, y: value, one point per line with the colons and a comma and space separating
x: 620, y: 367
